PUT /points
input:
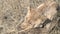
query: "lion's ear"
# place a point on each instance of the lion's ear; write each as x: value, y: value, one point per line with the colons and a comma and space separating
x: 29, y: 11
x: 41, y: 6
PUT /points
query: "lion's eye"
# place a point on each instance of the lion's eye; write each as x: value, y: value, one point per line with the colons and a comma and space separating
x: 46, y: 22
x: 41, y: 25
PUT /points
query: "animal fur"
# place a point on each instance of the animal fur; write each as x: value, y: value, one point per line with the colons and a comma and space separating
x: 37, y: 16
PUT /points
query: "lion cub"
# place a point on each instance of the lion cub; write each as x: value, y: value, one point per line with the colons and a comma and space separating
x: 37, y: 16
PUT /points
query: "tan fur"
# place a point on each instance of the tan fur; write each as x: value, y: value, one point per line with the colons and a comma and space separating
x: 34, y: 17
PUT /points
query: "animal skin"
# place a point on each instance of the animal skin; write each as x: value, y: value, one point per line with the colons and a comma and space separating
x: 35, y: 17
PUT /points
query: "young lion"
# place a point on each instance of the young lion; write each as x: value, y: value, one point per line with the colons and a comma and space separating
x: 37, y: 16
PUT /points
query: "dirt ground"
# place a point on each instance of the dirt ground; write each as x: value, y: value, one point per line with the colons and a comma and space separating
x: 13, y: 12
